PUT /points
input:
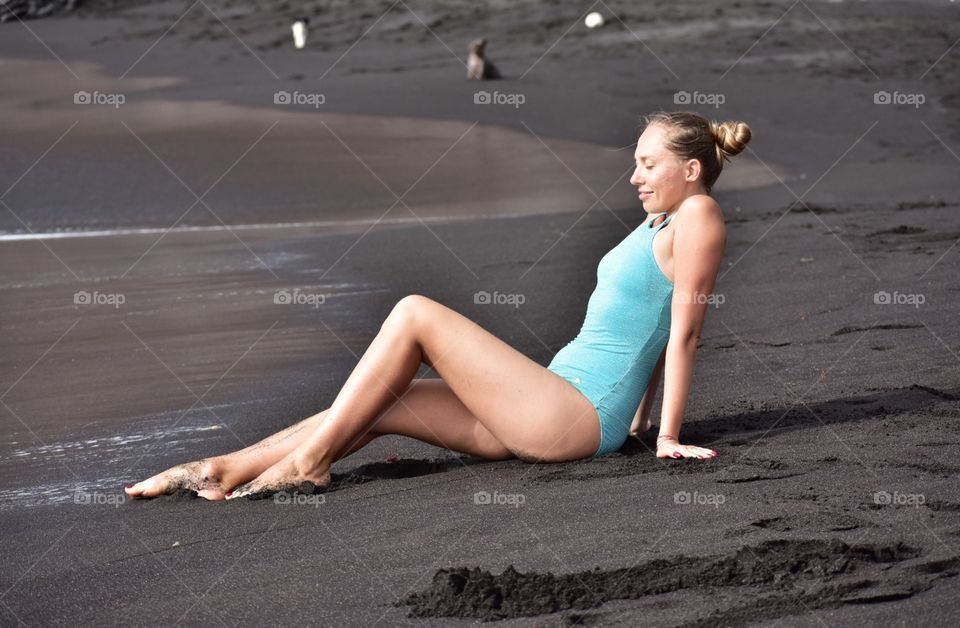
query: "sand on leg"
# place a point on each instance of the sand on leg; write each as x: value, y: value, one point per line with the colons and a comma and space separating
x: 534, y: 413
x: 428, y: 411
x: 213, y: 477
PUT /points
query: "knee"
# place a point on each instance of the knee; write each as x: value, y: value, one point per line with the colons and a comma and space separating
x: 408, y: 310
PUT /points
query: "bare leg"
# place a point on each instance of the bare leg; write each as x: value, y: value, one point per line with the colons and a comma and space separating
x: 430, y: 412
x: 530, y: 410
x: 213, y: 477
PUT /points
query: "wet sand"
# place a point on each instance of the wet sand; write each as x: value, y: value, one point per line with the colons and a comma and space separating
x: 834, y: 407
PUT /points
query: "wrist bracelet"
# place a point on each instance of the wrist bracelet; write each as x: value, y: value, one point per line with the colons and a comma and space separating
x: 667, y: 436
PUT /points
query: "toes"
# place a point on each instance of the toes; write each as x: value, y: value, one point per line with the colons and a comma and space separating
x: 148, y: 488
x: 240, y: 491
x: 251, y: 492
x: 255, y: 491
x: 212, y: 494
x: 252, y: 489
x: 201, y: 477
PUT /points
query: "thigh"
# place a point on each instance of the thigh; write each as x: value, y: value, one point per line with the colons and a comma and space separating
x: 430, y: 411
x: 531, y: 410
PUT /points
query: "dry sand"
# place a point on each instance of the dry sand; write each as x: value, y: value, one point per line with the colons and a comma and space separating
x: 834, y: 498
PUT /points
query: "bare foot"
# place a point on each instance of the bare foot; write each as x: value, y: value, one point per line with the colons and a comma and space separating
x: 203, y: 476
x: 289, y: 474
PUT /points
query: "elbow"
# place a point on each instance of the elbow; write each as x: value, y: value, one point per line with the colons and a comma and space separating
x: 686, y: 339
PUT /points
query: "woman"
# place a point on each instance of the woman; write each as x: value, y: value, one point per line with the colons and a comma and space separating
x: 642, y: 323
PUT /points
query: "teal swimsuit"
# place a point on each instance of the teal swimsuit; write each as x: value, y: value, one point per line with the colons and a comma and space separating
x: 625, y: 330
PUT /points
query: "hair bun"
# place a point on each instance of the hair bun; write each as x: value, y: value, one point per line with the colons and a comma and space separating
x: 731, y: 138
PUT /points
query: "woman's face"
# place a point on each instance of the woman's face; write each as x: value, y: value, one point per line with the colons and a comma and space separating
x: 662, y: 179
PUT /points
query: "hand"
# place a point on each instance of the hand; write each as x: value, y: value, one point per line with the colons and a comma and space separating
x: 640, y: 425
x: 670, y: 447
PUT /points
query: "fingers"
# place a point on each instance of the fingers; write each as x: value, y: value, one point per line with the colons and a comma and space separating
x: 688, y: 451
x: 700, y: 453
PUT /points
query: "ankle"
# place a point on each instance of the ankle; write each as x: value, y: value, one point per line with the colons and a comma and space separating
x: 211, y: 470
x: 311, y: 462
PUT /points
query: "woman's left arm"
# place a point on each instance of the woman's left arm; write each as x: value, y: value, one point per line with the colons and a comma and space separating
x: 699, y: 238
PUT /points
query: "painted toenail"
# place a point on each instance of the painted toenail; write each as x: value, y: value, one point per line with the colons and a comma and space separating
x: 131, y: 486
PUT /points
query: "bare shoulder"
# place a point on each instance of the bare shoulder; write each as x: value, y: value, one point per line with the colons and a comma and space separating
x: 700, y: 214
x: 700, y: 208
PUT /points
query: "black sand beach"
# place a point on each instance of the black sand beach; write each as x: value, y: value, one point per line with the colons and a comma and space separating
x: 145, y: 247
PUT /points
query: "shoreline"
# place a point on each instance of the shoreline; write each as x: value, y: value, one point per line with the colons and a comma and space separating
x: 143, y: 329
x: 304, y: 168
x: 330, y: 226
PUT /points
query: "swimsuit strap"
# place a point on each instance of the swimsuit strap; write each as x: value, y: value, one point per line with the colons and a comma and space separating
x: 662, y: 224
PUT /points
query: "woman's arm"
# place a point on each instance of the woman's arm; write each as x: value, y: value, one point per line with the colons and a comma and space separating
x: 641, y: 420
x: 698, y: 241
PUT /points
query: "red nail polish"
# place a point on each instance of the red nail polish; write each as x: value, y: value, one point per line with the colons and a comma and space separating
x: 229, y: 494
x: 131, y: 486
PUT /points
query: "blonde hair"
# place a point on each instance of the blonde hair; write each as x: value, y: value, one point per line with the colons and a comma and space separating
x: 691, y: 136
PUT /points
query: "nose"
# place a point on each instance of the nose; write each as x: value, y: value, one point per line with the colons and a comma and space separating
x: 635, y: 178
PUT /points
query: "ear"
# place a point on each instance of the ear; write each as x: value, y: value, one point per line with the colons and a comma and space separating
x: 692, y: 169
